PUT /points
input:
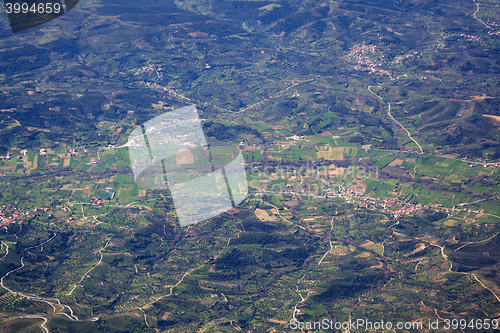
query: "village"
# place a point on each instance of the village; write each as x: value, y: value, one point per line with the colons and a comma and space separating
x: 337, y: 184
x: 398, y: 208
x: 12, y: 214
x: 365, y: 59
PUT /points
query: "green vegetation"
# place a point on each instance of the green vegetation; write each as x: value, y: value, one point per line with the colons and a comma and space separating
x: 333, y: 178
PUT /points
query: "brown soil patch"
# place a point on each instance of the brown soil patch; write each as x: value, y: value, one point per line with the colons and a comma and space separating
x: 197, y: 34
x: 333, y: 153
x: 370, y: 243
x: 118, y: 254
x: 396, y: 162
x: 357, y: 189
x: 338, y: 252
x: 495, y: 118
x: 336, y: 171
x: 420, y: 247
x: 234, y: 211
x: 258, y: 188
x: 184, y: 157
x: 261, y: 214
x: 472, y: 99
x: 88, y: 73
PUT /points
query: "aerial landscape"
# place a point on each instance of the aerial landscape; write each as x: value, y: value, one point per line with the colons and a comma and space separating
x: 369, y: 132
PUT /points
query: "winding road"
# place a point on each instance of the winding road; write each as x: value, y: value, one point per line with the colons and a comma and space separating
x: 445, y: 257
x: 84, y: 275
x: 49, y: 300
x: 397, y: 122
x: 475, y: 17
